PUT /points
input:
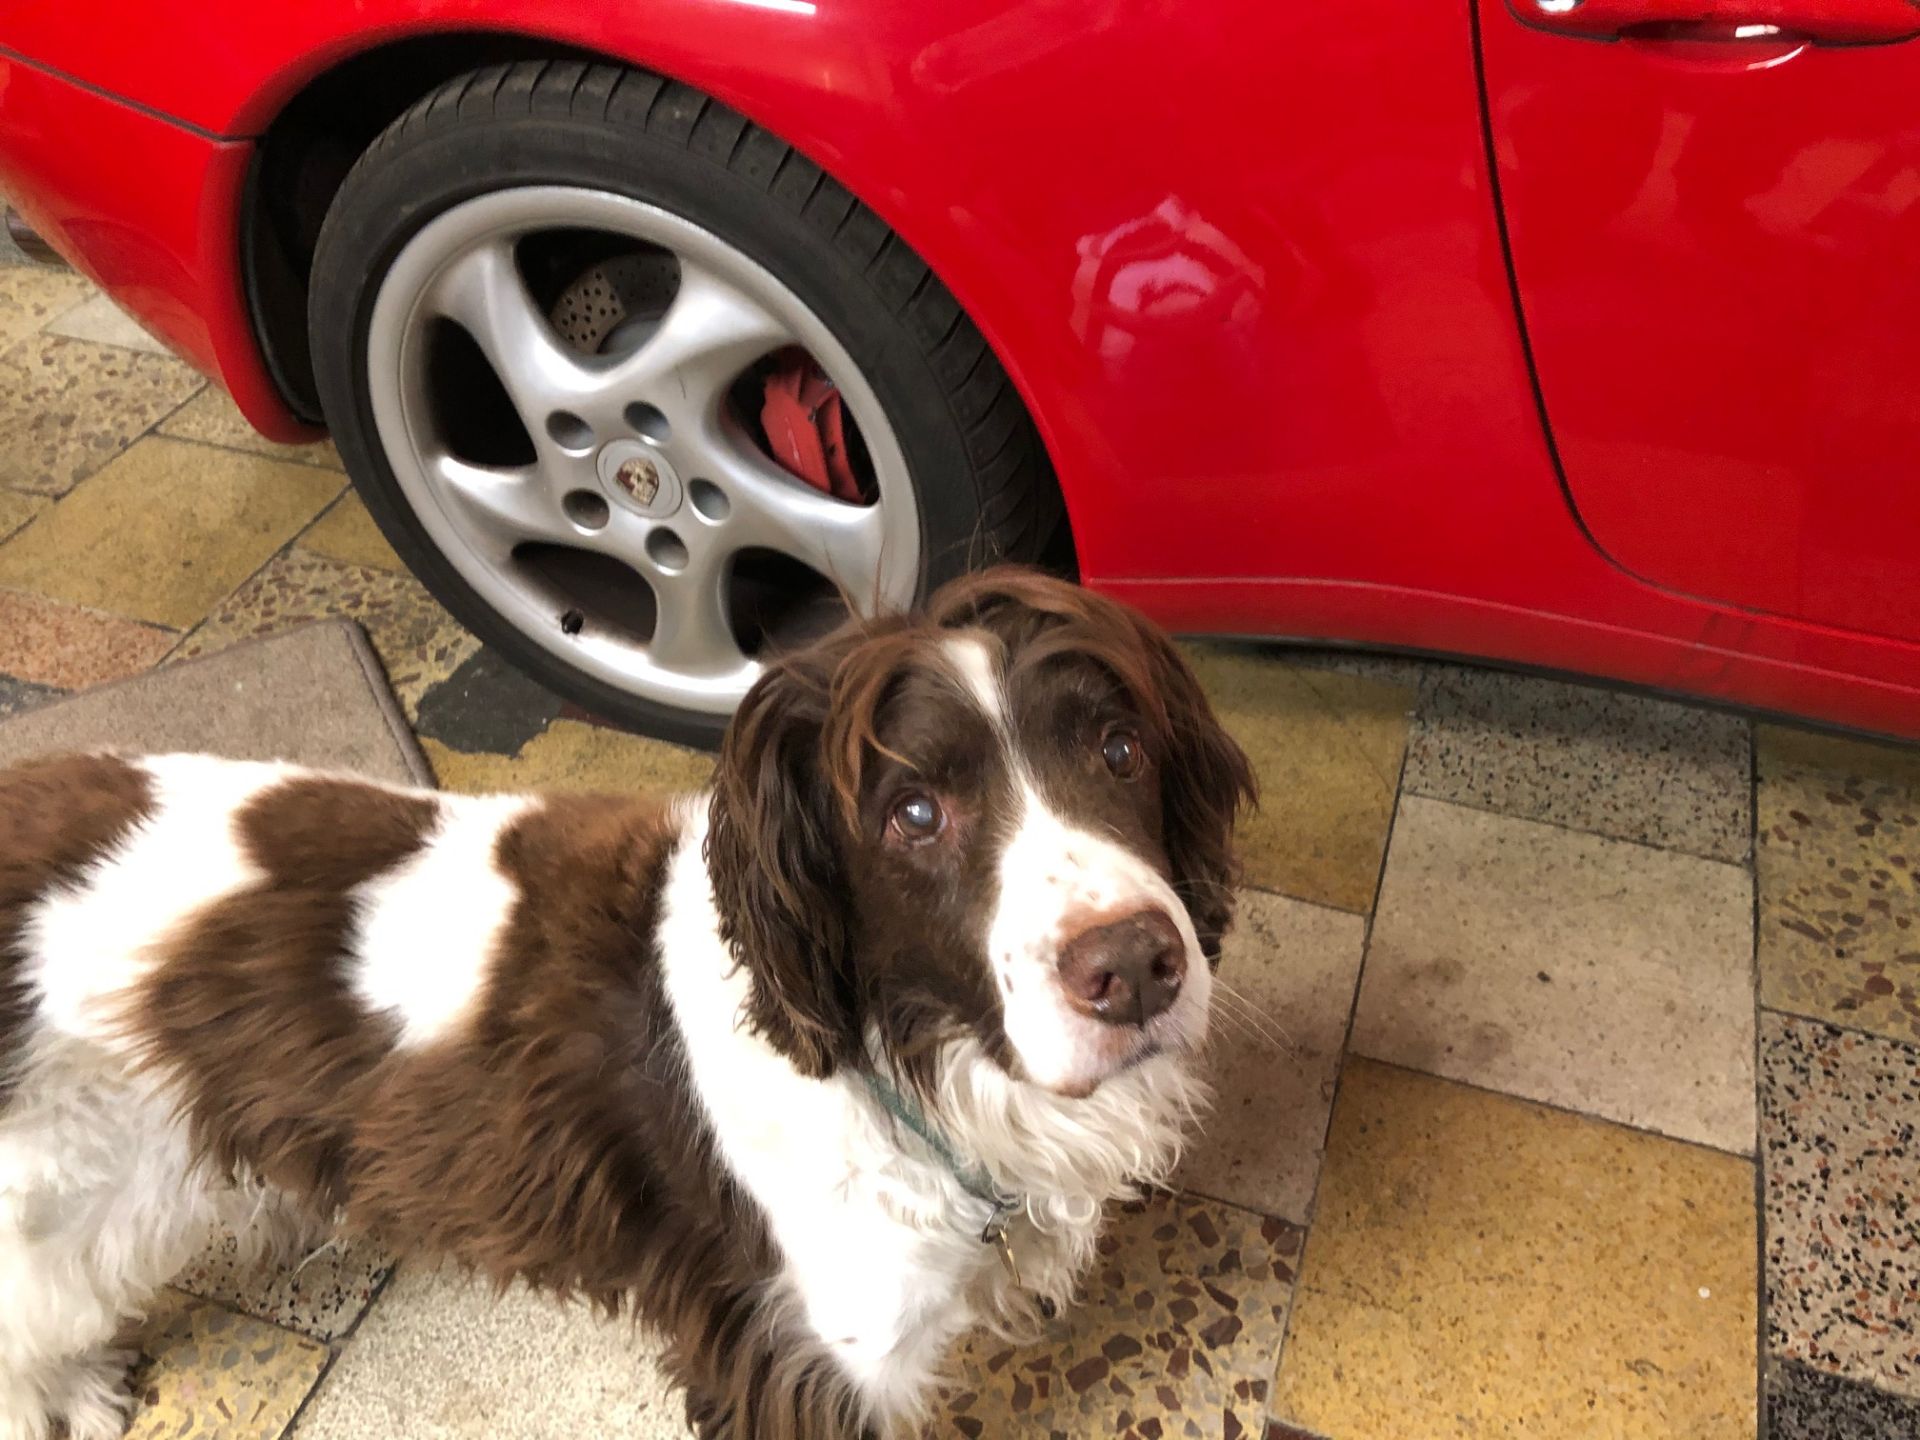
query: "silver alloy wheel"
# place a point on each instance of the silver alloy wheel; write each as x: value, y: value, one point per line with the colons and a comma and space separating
x: 637, y: 454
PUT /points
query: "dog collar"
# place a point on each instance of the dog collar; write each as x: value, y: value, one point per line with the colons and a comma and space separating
x: 975, y: 1181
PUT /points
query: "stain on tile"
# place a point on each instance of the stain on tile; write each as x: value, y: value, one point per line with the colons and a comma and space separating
x: 417, y: 641
x: 213, y: 419
x: 1281, y: 1001
x: 1804, y: 1404
x: 33, y: 295
x: 486, y: 707
x: 17, y: 509
x: 321, y: 1293
x: 443, y: 1356
x: 1483, y: 1266
x: 165, y: 531
x: 1629, y: 766
x: 1174, y: 1336
x: 347, y: 533
x: 1839, y: 874
x: 19, y: 696
x: 571, y: 756
x: 71, y: 647
x: 1840, y: 1131
x: 208, y: 1373
x: 67, y: 407
x: 102, y: 322
x: 1327, y: 749
x: 1589, y: 973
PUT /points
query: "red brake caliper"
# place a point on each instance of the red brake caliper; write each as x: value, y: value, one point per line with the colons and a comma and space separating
x: 806, y: 425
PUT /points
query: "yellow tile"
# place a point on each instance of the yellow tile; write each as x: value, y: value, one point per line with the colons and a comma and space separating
x: 1838, y: 870
x: 67, y: 407
x: 105, y: 323
x: 1480, y: 1266
x: 165, y: 531
x: 32, y: 295
x: 571, y: 755
x: 16, y: 509
x: 1327, y: 748
x: 212, y: 418
x: 212, y: 1374
x: 347, y: 533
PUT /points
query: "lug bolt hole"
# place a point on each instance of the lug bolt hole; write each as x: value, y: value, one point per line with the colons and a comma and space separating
x: 569, y: 431
x: 648, y: 423
x: 709, y: 502
x: 586, y: 509
x: 668, y: 550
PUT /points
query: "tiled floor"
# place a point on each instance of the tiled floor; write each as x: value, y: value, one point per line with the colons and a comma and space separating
x: 1568, y: 1060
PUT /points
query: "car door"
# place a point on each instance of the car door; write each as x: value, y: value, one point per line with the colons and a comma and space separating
x: 1713, y: 212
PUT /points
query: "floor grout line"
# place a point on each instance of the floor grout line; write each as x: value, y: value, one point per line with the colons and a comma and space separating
x: 1759, y: 1086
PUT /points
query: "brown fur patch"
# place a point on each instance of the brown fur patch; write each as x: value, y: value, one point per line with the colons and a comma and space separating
x: 57, y: 817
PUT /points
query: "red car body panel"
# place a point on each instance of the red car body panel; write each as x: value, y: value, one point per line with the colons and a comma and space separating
x: 1247, y: 270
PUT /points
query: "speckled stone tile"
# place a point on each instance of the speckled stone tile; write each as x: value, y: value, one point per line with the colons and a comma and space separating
x: 1327, y: 750
x: 1480, y: 1266
x: 1840, y: 1130
x: 347, y: 533
x: 165, y: 531
x: 33, y: 295
x: 1839, y: 873
x: 417, y: 641
x: 104, y: 323
x: 67, y: 407
x: 1174, y: 1336
x: 486, y: 707
x: 208, y: 1373
x: 440, y: 1356
x: 1804, y: 1404
x: 51, y: 642
x: 320, y: 1294
x: 1405, y: 671
x: 19, y: 696
x: 212, y: 418
x: 1629, y: 766
x: 1590, y: 973
x: 570, y: 755
x: 17, y: 508
x: 1281, y: 1001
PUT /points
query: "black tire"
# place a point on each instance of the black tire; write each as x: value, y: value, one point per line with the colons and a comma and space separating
x: 979, y: 473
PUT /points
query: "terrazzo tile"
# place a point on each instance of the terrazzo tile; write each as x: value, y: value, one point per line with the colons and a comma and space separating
x: 1840, y: 1130
x: 572, y: 756
x: 1839, y: 873
x: 320, y: 1294
x: 1327, y: 749
x: 16, y: 509
x: 102, y: 322
x: 19, y: 696
x: 208, y: 1373
x: 486, y: 706
x: 1589, y: 973
x: 1636, y: 768
x: 1803, y: 1404
x: 440, y: 1356
x: 1174, y: 1336
x: 33, y: 295
x: 1283, y: 994
x: 165, y: 531
x: 1406, y: 671
x: 212, y: 418
x: 67, y: 407
x: 417, y: 641
x: 69, y: 646
x: 347, y: 533
x: 1481, y: 1266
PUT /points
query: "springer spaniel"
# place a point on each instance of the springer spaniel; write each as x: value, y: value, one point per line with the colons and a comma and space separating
x: 809, y: 1074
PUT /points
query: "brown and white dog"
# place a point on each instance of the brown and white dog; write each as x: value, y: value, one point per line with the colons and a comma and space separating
x: 767, y: 1068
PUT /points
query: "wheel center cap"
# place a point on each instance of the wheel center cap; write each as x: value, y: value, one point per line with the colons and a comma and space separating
x: 639, y: 477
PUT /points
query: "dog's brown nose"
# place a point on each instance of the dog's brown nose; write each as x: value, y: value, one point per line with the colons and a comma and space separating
x: 1126, y: 971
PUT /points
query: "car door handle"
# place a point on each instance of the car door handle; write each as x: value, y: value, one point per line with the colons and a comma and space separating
x: 1822, y: 22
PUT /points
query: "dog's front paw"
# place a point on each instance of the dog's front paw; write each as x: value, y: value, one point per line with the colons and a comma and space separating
x: 93, y: 1397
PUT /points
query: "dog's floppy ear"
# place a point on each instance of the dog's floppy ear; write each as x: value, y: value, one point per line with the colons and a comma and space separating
x: 774, y: 854
x: 1205, y: 780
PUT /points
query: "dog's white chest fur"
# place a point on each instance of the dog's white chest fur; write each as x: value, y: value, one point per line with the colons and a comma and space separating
x: 874, y: 1262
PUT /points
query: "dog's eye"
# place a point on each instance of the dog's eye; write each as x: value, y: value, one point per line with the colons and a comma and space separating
x: 1122, y: 751
x: 917, y: 817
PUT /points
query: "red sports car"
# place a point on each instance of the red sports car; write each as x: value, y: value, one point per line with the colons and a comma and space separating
x: 1581, y: 334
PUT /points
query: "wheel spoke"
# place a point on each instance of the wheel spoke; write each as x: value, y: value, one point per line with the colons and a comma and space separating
x: 691, y: 632
x: 772, y: 509
x: 711, y: 332
x: 511, y: 506
x: 483, y: 293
